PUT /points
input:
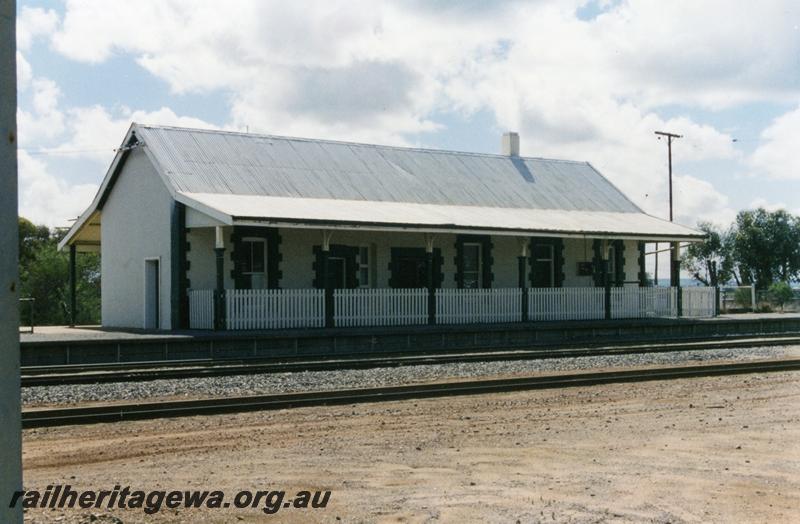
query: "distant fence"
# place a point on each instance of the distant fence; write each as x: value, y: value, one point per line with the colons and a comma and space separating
x: 747, y: 298
x: 644, y: 302
x: 380, y: 307
x: 566, y: 303
x: 698, y: 302
x: 463, y: 306
x: 274, y: 308
x: 733, y: 298
x: 306, y: 308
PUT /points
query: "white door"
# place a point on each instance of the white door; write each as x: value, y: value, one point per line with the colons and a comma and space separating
x: 151, y: 295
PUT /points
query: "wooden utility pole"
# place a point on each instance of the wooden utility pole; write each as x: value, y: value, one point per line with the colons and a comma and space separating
x: 669, y: 136
x: 674, y: 265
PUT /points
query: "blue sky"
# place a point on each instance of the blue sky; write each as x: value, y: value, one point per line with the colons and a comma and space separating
x: 585, y: 80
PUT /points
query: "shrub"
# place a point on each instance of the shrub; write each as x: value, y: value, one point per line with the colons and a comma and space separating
x: 743, y: 298
x: 781, y: 293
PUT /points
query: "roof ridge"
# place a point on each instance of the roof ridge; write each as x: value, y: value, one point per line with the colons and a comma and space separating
x: 350, y: 143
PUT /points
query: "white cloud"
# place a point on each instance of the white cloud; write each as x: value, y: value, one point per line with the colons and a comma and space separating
x: 96, y: 132
x: 773, y: 206
x: 45, y: 119
x: 54, y: 139
x: 24, y: 72
x: 34, y: 22
x: 776, y: 156
x: 696, y: 200
x: 44, y: 198
x: 45, y: 195
x: 381, y: 71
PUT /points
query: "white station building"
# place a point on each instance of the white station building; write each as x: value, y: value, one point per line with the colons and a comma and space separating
x: 211, y: 229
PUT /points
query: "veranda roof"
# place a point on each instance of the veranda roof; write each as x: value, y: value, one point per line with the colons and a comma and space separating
x: 354, y: 214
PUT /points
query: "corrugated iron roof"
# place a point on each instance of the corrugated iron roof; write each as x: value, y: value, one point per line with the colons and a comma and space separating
x: 201, y: 161
x: 237, y: 177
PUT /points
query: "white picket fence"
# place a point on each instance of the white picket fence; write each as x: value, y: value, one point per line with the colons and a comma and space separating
x: 698, y: 302
x: 274, y: 308
x: 380, y: 307
x: 566, y: 303
x: 304, y: 308
x: 201, y: 308
x: 464, y: 306
x: 644, y: 302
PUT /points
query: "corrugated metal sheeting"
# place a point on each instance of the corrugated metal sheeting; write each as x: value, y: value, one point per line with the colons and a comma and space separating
x: 198, y: 161
x: 247, y: 178
x: 238, y: 209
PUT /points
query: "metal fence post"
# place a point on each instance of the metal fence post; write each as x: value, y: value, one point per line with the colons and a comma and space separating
x: 522, y: 261
x: 607, y: 285
x: 431, y: 287
x: 219, y: 292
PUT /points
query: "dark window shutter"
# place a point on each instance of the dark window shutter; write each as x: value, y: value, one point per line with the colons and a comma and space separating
x: 597, y: 262
x: 558, y: 270
x: 619, y: 263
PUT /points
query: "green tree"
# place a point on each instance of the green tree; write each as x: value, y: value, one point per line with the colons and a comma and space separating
x: 31, y: 238
x: 766, y: 247
x: 44, y: 276
x: 781, y: 293
x: 710, y: 261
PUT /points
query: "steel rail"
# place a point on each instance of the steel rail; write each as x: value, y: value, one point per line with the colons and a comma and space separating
x: 155, y: 370
x: 33, y: 418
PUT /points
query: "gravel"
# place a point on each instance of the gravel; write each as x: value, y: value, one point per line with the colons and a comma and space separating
x: 359, y: 378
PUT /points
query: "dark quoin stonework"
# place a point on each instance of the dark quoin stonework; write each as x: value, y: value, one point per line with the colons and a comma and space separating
x: 642, y: 269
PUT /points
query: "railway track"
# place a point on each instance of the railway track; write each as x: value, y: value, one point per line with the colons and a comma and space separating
x: 34, y: 418
x: 143, y: 371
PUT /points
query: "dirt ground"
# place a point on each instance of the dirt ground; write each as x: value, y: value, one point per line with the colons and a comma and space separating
x: 723, y: 449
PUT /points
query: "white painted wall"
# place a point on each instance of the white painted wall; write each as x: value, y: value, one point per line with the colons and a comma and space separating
x: 297, y: 247
x: 577, y: 250
x: 631, y: 262
x: 505, y: 253
x: 298, y: 257
x: 202, y: 259
x: 135, y: 226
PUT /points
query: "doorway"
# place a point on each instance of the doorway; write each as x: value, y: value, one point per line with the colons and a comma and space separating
x: 151, y: 294
x: 338, y: 272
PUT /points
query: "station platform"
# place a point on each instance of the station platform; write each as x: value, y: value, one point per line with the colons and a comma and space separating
x: 58, y: 345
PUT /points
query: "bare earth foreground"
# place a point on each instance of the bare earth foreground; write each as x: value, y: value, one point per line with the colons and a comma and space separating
x: 721, y: 449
